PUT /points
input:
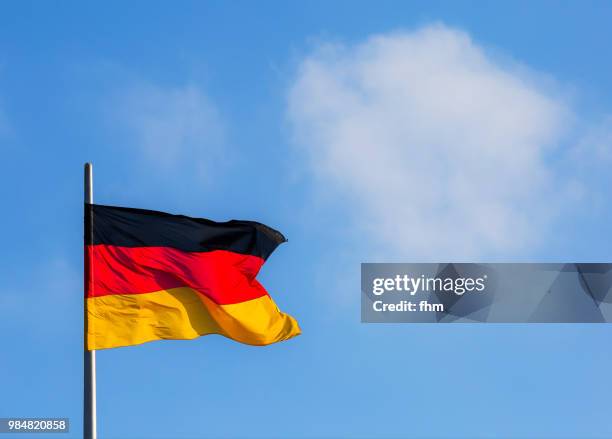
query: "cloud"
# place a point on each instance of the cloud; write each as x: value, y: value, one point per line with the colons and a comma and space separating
x: 171, y: 127
x: 440, y: 148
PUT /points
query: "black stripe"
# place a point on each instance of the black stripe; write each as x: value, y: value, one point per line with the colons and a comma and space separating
x: 127, y: 227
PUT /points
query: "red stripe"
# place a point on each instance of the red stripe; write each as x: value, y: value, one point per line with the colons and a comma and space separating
x: 223, y: 276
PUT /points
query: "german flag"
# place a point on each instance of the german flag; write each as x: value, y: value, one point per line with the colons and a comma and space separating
x: 152, y: 275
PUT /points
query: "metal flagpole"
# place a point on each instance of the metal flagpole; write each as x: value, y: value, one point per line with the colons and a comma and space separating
x: 89, y: 363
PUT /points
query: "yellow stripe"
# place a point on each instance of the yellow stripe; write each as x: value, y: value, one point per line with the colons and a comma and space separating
x: 182, y: 313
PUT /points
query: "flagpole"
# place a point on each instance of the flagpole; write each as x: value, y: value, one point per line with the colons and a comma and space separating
x: 89, y: 363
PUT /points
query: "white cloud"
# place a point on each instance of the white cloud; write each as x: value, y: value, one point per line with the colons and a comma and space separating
x: 171, y: 127
x: 587, y: 167
x: 439, y: 147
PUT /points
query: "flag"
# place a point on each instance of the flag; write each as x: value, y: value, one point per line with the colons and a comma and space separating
x: 153, y: 275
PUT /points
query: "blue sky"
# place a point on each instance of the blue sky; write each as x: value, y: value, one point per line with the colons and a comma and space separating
x: 365, y: 131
